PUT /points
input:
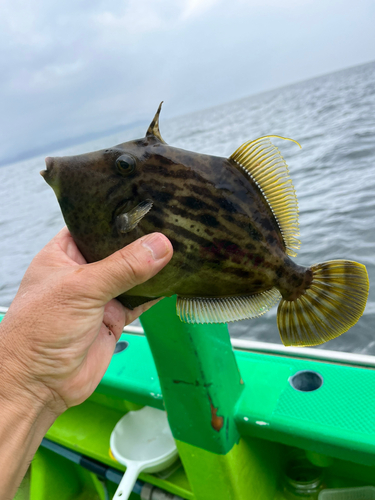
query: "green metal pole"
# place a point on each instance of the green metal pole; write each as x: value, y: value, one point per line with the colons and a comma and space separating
x: 201, y: 385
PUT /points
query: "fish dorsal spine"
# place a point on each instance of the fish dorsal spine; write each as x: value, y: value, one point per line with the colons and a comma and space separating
x: 153, y: 129
x: 263, y: 162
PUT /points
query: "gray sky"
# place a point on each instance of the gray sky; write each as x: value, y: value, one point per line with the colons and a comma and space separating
x: 76, y: 67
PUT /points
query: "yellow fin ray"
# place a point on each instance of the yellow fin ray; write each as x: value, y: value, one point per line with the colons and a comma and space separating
x: 225, y: 309
x: 265, y: 165
x: 331, y: 305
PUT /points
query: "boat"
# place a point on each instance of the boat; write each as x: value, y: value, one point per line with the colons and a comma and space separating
x: 251, y: 420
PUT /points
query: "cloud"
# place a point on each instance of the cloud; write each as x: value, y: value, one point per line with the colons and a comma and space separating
x: 70, y: 68
x: 134, y: 19
x: 195, y: 8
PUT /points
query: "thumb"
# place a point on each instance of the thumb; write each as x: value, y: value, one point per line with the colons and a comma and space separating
x: 128, y: 267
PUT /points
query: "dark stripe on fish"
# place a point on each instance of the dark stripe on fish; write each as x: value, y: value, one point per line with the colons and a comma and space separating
x: 167, y: 186
x: 200, y: 218
x: 195, y: 203
x: 178, y: 246
x: 185, y: 233
x: 181, y: 173
x: 113, y: 190
x: 248, y: 227
x: 161, y: 196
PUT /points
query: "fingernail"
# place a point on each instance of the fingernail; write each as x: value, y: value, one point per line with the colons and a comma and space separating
x: 157, y: 245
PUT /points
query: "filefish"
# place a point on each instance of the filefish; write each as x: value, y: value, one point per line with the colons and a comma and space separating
x: 233, y: 224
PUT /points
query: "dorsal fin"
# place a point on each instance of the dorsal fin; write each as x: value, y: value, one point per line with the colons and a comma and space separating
x: 265, y: 165
x: 153, y: 129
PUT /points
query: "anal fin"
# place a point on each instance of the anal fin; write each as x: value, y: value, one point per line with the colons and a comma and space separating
x: 225, y: 309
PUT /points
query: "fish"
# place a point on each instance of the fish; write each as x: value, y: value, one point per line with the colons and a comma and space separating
x: 233, y: 223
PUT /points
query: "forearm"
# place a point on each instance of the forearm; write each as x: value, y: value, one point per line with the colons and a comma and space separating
x: 22, y: 428
x: 25, y: 417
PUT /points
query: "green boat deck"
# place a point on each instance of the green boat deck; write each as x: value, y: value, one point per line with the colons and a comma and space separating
x: 335, y: 424
x: 336, y: 420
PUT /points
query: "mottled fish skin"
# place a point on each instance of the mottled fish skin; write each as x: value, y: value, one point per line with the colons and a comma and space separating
x: 232, y: 222
x: 226, y: 239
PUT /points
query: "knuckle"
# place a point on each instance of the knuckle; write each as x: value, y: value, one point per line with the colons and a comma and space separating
x: 68, y: 289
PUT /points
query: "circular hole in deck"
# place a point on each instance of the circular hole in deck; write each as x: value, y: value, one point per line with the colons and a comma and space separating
x: 306, y: 381
x: 121, y: 346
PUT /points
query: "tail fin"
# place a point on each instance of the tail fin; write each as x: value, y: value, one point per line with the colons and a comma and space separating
x: 332, y: 304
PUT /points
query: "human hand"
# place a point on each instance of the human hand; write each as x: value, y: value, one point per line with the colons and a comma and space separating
x: 58, y: 337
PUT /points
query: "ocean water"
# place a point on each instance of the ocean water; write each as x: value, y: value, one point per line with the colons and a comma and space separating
x: 332, y: 117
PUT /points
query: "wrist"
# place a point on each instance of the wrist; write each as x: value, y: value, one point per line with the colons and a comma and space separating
x: 25, y: 418
x: 20, y: 393
x: 23, y: 425
x: 24, y: 414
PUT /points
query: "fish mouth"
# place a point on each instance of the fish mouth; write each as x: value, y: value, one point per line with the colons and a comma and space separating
x: 46, y: 174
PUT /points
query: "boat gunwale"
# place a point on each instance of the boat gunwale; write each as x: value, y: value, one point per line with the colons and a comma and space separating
x: 308, y: 353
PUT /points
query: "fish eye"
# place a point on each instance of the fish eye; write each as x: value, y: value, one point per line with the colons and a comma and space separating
x: 125, y: 164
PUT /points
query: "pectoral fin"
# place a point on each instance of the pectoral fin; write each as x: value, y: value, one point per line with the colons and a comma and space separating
x: 128, y: 221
